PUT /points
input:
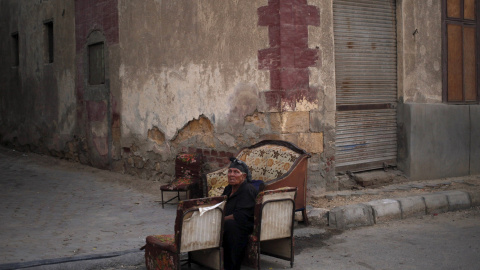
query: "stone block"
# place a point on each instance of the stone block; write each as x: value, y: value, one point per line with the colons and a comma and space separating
x: 386, y: 209
x: 436, y: 203
x: 311, y: 142
x: 412, y: 206
x: 318, y: 216
x: 290, y: 122
x: 474, y: 198
x: 457, y: 200
x: 350, y: 216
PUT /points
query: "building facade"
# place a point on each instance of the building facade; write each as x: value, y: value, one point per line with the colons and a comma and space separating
x: 360, y: 84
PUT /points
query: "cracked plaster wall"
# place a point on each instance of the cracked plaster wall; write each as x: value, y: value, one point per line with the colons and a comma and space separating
x: 194, y: 81
x: 190, y: 59
x: 192, y: 76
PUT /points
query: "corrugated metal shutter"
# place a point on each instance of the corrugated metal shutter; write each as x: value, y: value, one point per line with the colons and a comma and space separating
x: 366, y: 78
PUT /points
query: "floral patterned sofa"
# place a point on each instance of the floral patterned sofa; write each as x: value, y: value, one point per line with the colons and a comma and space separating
x: 277, y: 163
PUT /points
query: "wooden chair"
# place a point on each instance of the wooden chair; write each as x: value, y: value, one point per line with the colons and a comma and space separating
x: 198, y: 231
x: 273, y: 226
x: 188, y: 173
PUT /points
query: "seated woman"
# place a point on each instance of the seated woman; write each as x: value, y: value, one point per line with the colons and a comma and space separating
x: 238, y: 213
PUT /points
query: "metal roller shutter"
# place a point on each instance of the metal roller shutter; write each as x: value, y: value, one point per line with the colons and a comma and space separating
x: 366, y: 79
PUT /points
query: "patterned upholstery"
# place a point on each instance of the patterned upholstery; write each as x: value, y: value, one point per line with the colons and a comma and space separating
x: 273, y: 226
x: 277, y: 163
x: 188, y: 171
x: 266, y: 163
x: 195, y: 233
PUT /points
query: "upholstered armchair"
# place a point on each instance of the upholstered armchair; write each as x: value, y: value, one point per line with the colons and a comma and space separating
x: 273, y: 226
x: 277, y: 163
x: 198, y: 231
x: 188, y: 173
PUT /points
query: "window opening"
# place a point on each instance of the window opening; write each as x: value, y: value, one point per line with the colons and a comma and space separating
x: 460, y: 40
x: 16, y: 50
x: 96, y: 64
x: 48, y: 42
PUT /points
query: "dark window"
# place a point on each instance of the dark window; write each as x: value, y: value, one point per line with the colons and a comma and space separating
x: 460, y: 28
x: 48, y: 42
x: 96, y: 64
x: 16, y: 50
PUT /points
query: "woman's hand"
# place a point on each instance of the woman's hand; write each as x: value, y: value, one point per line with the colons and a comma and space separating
x: 229, y: 217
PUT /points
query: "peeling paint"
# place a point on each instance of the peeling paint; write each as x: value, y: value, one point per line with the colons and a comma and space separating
x: 156, y: 135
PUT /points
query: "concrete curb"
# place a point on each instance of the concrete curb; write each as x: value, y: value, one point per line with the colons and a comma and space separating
x: 379, y: 211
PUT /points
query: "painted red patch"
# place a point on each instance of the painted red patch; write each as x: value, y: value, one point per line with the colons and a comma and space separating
x: 288, y: 57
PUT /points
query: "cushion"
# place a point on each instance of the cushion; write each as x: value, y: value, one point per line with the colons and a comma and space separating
x: 163, y: 242
x: 182, y: 183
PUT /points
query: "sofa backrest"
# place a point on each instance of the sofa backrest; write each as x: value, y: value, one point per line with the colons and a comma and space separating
x: 266, y: 162
x: 269, y: 161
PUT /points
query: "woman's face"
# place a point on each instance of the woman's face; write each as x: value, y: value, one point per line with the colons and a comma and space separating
x: 235, y: 176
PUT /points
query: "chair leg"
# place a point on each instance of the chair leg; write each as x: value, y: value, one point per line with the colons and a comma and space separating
x: 305, y: 217
x: 258, y: 256
x: 162, y: 200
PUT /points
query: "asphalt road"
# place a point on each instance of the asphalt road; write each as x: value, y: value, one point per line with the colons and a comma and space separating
x: 445, y: 241
x: 61, y: 215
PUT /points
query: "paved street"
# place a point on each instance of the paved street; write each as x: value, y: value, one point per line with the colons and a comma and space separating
x: 56, y: 209
x: 62, y: 215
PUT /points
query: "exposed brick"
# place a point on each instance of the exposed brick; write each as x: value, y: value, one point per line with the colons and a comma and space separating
x: 294, y: 78
x: 199, y: 151
x: 269, y: 58
x: 274, y: 35
x: 287, y: 57
x: 214, y: 153
x: 206, y: 152
x: 212, y: 159
x: 275, y: 79
x: 288, y: 35
x: 191, y: 150
x: 305, y: 57
x: 286, y: 12
x: 222, y: 153
x: 268, y: 15
x: 274, y: 99
x: 300, y: 36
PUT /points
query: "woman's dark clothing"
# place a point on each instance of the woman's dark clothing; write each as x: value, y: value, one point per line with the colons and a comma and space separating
x: 235, y: 237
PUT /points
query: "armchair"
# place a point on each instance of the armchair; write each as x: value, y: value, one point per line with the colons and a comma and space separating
x: 188, y: 171
x: 198, y: 231
x: 273, y: 226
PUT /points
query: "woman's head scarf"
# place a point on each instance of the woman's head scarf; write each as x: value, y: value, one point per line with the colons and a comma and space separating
x: 241, y: 166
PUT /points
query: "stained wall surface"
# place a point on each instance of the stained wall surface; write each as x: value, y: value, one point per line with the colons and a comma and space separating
x: 37, y: 100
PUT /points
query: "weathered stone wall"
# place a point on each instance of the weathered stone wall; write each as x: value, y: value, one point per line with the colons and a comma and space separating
x: 37, y: 100
x: 201, y: 76
x: 214, y: 77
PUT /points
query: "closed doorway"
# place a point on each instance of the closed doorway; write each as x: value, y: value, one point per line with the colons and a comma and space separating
x: 366, y: 81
